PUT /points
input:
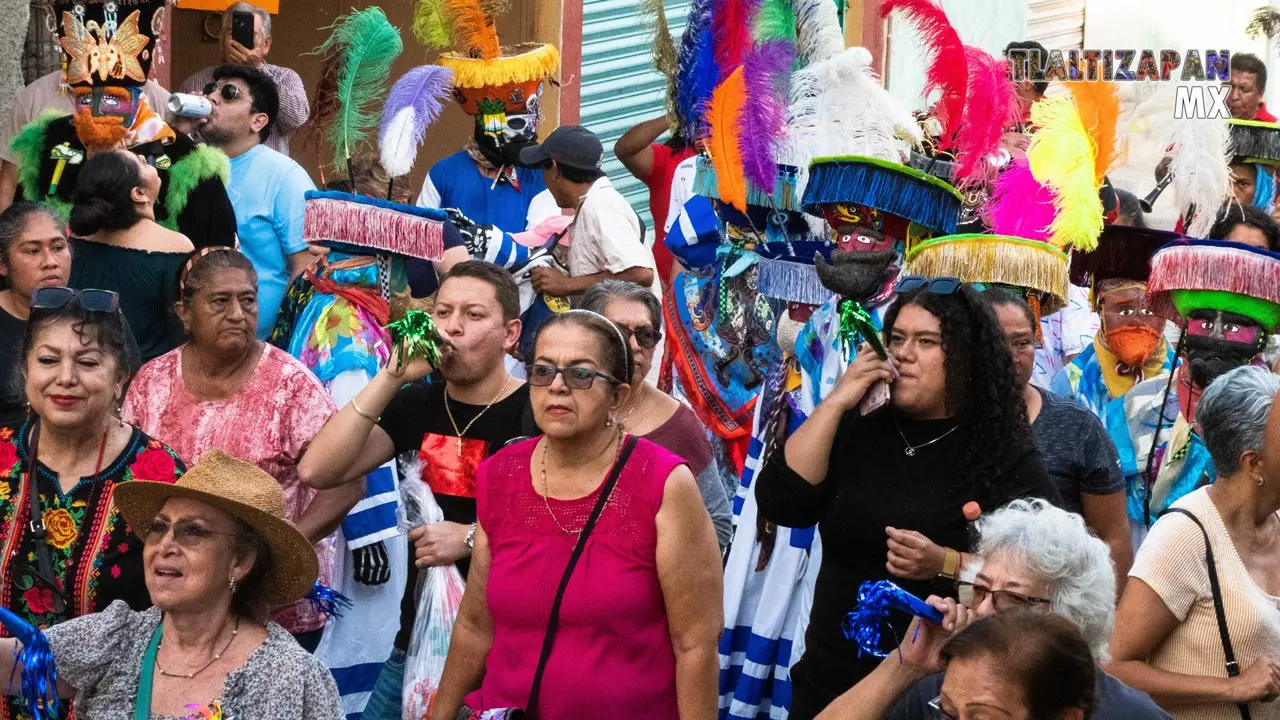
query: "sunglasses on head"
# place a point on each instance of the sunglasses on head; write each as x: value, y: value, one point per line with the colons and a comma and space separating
x: 575, y: 378
x: 933, y: 286
x: 229, y: 92
x: 56, y: 298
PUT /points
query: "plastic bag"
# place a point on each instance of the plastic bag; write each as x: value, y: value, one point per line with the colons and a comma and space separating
x: 439, y: 595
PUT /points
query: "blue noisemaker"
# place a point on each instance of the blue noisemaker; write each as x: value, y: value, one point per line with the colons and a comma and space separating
x: 875, y: 600
x: 327, y: 600
x: 39, y: 674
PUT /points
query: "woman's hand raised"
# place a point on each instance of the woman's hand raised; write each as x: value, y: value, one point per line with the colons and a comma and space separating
x: 923, y: 641
x: 866, y: 370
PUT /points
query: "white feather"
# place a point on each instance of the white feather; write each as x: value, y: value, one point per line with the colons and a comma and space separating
x: 1200, y: 158
x: 397, y: 147
x: 818, y: 32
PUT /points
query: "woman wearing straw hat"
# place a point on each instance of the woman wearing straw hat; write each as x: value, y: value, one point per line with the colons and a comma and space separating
x: 218, y: 555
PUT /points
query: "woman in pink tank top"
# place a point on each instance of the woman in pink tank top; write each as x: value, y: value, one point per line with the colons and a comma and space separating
x: 641, y: 614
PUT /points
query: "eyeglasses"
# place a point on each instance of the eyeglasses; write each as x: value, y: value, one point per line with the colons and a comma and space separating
x: 575, y: 378
x: 973, y: 595
x: 185, y: 533
x: 56, y: 298
x: 227, y: 90
x: 936, y: 706
x: 646, y: 337
x: 933, y: 286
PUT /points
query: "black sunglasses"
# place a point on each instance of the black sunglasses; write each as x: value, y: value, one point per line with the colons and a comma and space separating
x: 56, y: 298
x: 575, y: 378
x: 229, y: 92
x: 646, y: 337
x: 933, y: 286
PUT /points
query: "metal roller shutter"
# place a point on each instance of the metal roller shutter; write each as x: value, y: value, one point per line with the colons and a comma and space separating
x: 620, y: 87
x: 1058, y: 24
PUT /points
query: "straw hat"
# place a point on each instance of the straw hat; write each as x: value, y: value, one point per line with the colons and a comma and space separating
x: 242, y: 490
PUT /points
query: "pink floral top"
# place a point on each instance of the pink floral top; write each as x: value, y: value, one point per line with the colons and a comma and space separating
x: 269, y: 422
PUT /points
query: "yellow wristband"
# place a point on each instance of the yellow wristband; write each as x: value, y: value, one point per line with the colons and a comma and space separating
x: 950, y: 564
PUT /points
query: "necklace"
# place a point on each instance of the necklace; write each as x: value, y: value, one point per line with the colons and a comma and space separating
x: 102, y: 450
x: 911, y: 449
x: 459, y: 433
x: 188, y: 676
x: 546, y: 489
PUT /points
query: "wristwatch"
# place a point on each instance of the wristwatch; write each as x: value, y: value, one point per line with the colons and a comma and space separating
x: 471, y: 538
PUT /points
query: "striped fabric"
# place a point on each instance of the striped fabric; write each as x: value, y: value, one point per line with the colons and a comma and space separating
x: 294, y: 108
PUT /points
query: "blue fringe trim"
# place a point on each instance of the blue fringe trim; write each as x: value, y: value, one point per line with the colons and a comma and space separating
x: 885, y: 190
x: 327, y: 600
x: 39, y: 672
x: 783, y: 196
x: 791, y: 281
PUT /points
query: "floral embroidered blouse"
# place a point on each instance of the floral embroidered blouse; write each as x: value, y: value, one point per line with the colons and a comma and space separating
x: 96, y: 558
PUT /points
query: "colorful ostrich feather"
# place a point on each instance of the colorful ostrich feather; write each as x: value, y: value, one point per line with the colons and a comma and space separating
x: 664, y: 54
x: 766, y: 70
x: 947, y: 68
x: 1098, y: 103
x: 431, y: 24
x: 412, y: 105
x: 819, y: 36
x: 695, y: 72
x: 731, y: 26
x: 1020, y: 205
x: 991, y: 107
x: 1061, y: 156
x: 723, y: 114
x: 357, y: 60
x: 473, y: 30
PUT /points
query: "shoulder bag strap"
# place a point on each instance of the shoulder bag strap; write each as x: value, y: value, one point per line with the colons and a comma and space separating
x: 1233, y: 667
x: 35, y: 524
x: 146, y: 676
x: 554, y: 619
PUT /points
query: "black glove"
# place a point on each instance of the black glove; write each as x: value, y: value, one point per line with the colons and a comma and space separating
x: 472, y: 235
x: 373, y: 567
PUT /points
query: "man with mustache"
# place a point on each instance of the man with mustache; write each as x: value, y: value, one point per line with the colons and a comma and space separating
x: 1130, y: 345
x: 1223, y: 294
x: 108, y: 49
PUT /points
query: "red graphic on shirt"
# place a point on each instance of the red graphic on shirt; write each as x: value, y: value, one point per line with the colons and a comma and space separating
x: 448, y: 471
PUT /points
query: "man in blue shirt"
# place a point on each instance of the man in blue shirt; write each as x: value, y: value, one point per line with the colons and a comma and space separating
x: 266, y: 187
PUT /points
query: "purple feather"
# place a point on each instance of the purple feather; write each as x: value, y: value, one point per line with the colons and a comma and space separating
x: 420, y: 90
x: 766, y: 70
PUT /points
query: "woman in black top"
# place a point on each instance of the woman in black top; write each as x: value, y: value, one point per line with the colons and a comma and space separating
x: 955, y: 430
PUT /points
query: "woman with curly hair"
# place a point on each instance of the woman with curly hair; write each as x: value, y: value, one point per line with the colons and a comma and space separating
x: 955, y: 430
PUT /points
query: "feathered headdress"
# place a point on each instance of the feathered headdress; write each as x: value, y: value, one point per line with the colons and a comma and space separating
x: 947, y: 71
x: 431, y: 24
x: 1098, y: 104
x: 723, y: 143
x: 991, y: 107
x: 474, y: 32
x: 695, y: 76
x: 664, y: 54
x: 766, y: 72
x: 355, y: 68
x: 731, y: 27
x: 1061, y: 156
x: 1020, y: 205
x: 1199, y: 158
x: 412, y: 105
x: 1265, y: 22
x: 819, y: 36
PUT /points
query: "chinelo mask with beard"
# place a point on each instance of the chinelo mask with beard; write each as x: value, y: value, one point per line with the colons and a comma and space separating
x: 868, y: 253
x: 1132, y: 344
x: 1217, y: 342
x: 104, y: 115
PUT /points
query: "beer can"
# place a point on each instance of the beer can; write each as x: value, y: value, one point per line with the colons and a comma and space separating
x: 190, y: 106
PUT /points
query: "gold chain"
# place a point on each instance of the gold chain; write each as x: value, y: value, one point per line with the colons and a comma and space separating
x: 459, y: 433
x: 546, y: 488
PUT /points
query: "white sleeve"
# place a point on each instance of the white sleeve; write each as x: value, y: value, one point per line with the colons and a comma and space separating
x: 541, y: 207
x: 681, y: 191
x: 615, y: 229
x: 430, y: 196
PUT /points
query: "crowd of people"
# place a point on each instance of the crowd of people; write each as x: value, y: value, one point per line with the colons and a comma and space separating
x: 279, y: 451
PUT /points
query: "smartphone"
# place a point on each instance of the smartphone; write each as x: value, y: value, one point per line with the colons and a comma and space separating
x: 242, y: 28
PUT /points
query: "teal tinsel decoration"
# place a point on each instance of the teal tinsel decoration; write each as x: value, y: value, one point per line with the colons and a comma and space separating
x: 414, y: 336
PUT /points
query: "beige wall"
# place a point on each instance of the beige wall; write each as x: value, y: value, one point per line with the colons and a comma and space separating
x: 300, y: 27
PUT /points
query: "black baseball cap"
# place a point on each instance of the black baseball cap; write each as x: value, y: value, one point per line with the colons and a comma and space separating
x: 571, y: 145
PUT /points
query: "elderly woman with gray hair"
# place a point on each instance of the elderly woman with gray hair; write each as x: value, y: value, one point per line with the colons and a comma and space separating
x: 1034, y: 556
x: 1198, y: 627
x: 651, y: 413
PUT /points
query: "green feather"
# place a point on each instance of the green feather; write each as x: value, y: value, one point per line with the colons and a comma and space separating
x: 430, y: 24
x: 364, y: 44
x: 774, y: 21
x: 199, y: 165
x: 28, y: 146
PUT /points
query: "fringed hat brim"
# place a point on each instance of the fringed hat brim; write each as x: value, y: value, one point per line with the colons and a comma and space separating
x: 889, y: 187
x: 520, y: 64
x: 359, y: 224
x: 783, y: 197
x: 1215, y: 265
x: 1255, y: 141
x: 1123, y: 252
x: 996, y: 260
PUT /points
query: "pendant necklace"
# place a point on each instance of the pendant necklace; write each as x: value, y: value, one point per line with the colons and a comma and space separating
x: 188, y: 676
x: 463, y: 431
x: 910, y: 450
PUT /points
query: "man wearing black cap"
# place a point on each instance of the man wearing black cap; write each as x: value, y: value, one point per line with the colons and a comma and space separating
x: 605, y: 240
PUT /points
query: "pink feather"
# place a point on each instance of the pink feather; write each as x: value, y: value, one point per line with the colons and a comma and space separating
x: 1020, y: 205
x: 731, y: 30
x: 992, y: 106
x: 947, y: 68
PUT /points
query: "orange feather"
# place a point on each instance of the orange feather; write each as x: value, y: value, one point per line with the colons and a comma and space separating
x: 474, y: 32
x: 1098, y: 104
x: 723, y: 111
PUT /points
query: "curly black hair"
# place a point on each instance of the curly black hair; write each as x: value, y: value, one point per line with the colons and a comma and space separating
x: 982, y: 393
